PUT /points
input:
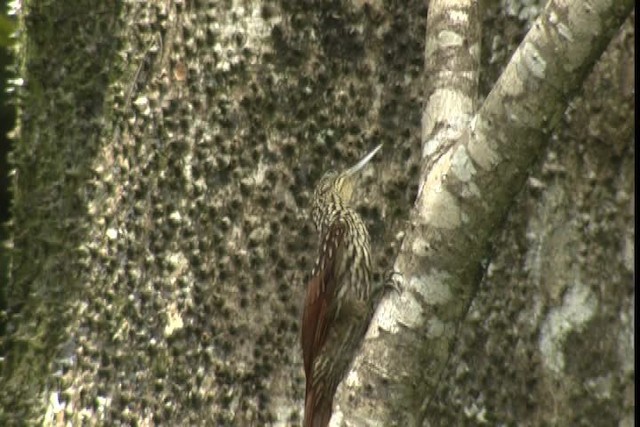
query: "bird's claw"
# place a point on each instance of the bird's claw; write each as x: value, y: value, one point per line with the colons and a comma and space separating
x: 394, y: 281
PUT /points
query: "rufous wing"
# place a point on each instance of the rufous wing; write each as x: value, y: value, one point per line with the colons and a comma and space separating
x: 318, y: 304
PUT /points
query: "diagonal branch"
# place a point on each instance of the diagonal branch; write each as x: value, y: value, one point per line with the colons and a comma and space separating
x: 472, y: 172
x: 452, y: 50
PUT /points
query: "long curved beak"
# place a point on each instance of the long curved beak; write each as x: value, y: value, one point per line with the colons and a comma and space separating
x: 362, y: 163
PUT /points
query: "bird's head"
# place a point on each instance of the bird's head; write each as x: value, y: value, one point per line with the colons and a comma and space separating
x: 341, y: 184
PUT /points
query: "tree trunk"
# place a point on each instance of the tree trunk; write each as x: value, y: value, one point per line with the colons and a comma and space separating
x: 165, y: 157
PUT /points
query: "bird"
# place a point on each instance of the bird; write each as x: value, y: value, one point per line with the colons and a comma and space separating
x: 338, y: 304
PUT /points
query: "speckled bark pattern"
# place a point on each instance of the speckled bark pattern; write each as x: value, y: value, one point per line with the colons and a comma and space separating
x: 193, y: 133
x: 165, y: 158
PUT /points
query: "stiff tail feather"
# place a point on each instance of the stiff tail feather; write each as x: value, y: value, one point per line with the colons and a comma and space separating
x: 317, y: 412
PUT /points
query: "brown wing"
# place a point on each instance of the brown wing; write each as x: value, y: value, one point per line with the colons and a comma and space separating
x: 320, y: 294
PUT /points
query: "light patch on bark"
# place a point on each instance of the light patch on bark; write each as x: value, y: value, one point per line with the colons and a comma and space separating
x: 471, y: 189
x: 476, y: 413
x: 628, y: 421
x: 439, y: 208
x: 353, y: 379
x: 259, y: 174
x: 533, y: 60
x: 53, y: 410
x: 187, y: 171
x: 628, y: 252
x: 174, y: 321
x: 432, y: 288
x: 584, y: 18
x: 474, y: 51
x: 244, y: 18
x: 461, y: 164
x: 420, y: 247
x: 450, y: 4
x: 458, y: 16
x: 484, y: 152
x: 436, y: 328
x: 436, y: 206
x: 444, y: 106
x: 112, y: 233
x: 175, y: 217
x: 450, y: 38
x: 142, y: 105
x: 563, y: 30
x: 402, y: 310
x: 626, y: 342
x: 408, y: 311
x: 578, y: 307
x: 178, y: 261
x: 600, y: 386
x: 336, y: 418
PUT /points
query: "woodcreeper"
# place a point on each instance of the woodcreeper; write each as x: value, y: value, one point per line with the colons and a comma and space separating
x: 338, y: 302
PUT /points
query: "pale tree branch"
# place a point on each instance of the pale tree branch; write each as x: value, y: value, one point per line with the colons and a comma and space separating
x: 453, y: 51
x: 465, y: 190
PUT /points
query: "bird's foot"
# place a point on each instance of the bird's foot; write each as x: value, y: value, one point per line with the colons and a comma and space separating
x: 393, y: 281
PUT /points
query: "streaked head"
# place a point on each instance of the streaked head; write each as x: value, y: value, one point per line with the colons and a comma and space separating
x: 341, y: 184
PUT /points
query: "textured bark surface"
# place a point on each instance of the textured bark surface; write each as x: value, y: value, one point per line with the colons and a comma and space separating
x: 471, y: 176
x: 548, y: 339
x: 164, y: 161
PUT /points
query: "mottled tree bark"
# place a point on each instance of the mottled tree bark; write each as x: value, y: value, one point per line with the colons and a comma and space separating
x: 164, y: 160
x: 473, y: 169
